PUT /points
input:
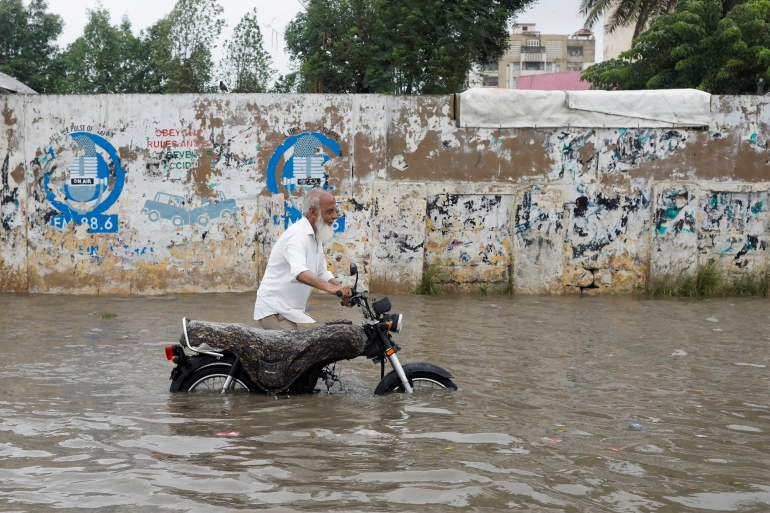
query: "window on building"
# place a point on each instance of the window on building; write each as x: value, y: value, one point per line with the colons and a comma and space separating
x: 490, y: 81
x: 490, y: 67
x: 525, y: 28
x: 516, y: 66
x: 533, y: 42
x: 575, y: 51
x: 574, y: 67
x: 533, y: 66
x: 549, y: 66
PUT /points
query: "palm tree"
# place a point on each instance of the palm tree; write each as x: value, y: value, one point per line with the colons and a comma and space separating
x: 639, y: 12
x: 625, y: 12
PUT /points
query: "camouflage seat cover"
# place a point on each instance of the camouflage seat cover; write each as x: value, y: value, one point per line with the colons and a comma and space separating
x: 275, y: 359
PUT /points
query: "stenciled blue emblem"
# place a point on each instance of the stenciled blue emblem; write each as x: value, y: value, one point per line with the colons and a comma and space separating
x: 86, y: 188
x: 304, y: 165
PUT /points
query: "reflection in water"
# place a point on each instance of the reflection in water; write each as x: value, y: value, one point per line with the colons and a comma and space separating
x: 566, y: 404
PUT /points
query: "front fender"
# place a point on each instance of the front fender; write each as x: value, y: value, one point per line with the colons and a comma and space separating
x: 426, y: 367
x: 193, y: 365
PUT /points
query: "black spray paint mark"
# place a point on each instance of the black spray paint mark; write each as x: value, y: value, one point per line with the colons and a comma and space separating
x: 584, y: 208
x: 358, y: 207
x: 402, y: 244
x: 571, y: 148
x: 752, y: 244
x: 8, y: 195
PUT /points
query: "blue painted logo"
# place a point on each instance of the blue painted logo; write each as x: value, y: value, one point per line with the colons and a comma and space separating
x: 89, y: 187
x: 299, y: 161
x: 173, y: 208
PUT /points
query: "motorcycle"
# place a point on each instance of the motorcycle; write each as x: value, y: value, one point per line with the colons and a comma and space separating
x: 219, y: 357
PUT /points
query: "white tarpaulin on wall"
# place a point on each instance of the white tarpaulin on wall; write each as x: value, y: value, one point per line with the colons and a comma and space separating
x: 510, y: 108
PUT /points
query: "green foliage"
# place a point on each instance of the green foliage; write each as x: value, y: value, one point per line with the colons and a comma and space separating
x: 396, y: 46
x: 28, y: 50
x: 246, y: 67
x: 624, y: 12
x: 429, y: 283
x: 105, y: 59
x: 181, y: 46
x: 109, y: 315
x: 698, y: 47
x: 285, y: 83
x: 711, y: 280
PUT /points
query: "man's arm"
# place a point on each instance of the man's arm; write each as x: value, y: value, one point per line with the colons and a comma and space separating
x: 331, y: 286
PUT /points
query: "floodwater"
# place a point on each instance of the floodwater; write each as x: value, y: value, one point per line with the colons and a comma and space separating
x: 590, y: 404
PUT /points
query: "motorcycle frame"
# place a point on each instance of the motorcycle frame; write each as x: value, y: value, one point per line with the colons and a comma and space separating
x: 375, y: 328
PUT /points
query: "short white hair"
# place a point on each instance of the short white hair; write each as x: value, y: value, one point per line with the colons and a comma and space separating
x: 312, y: 200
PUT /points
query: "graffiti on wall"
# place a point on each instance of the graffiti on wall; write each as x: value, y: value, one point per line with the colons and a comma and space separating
x: 83, y: 188
x: 675, y: 213
x: 181, y: 212
x: 298, y: 163
x: 8, y: 196
x: 733, y: 225
x: 466, y: 231
x: 631, y: 147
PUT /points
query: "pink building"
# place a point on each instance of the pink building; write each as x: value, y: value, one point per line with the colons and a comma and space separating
x: 567, y: 81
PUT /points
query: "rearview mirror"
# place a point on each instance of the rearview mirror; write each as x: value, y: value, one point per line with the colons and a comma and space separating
x: 353, y: 269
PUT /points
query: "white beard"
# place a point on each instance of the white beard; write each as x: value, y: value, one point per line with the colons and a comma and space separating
x: 323, y: 231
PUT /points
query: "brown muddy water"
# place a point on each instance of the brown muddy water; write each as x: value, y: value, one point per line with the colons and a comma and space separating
x: 618, y: 404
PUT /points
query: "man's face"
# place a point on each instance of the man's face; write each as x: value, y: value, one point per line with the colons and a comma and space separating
x: 328, y: 208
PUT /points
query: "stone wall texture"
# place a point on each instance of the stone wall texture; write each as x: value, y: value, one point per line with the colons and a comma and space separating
x: 143, y: 194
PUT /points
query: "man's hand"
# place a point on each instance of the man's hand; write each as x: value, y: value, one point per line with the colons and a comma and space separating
x: 347, y: 293
x: 332, y: 286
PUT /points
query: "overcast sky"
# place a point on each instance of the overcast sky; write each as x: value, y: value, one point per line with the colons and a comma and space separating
x: 550, y: 16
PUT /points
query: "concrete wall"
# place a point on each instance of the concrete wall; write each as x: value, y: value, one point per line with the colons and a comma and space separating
x: 187, y: 193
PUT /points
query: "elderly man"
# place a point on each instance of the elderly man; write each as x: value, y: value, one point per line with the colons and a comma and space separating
x: 297, y: 264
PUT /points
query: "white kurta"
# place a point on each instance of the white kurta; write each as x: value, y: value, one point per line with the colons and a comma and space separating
x: 296, y: 251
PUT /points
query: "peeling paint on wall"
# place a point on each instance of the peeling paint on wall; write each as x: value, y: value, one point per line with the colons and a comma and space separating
x: 152, y: 194
x: 539, y: 240
x: 468, y: 237
x: 733, y: 230
x: 675, y: 233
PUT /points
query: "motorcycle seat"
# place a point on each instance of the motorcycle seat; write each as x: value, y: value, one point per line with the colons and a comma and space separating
x: 274, y: 359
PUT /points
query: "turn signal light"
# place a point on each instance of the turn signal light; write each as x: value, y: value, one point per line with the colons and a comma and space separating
x: 170, y: 353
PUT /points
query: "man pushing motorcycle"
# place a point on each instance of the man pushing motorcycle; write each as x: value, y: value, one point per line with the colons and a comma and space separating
x: 297, y: 264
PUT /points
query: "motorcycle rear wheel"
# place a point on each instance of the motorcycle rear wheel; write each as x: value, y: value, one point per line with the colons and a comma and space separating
x: 420, y: 381
x: 211, y: 379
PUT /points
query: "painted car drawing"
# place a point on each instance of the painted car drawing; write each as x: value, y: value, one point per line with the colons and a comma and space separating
x: 172, y: 207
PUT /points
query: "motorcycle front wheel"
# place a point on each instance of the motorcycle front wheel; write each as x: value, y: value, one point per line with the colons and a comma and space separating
x: 419, y: 380
x: 211, y: 379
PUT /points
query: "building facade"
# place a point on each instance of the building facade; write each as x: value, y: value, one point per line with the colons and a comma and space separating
x: 617, y: 41
x: 533, y: 53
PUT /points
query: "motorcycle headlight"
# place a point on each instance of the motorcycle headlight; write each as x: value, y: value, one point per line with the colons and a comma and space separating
x: 397, y: 321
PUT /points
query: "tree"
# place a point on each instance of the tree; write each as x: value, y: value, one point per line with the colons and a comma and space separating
x: 695, y: 47
x: 28, y: 50
x: 181, y: 46
x: 105, y: 59
x: 246, y: 65
x: 625, y: 12
x: 396, y: 46
x: 638, y: 12
x: 332, y: 43
x: 285, y: 83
